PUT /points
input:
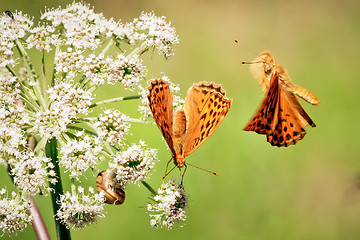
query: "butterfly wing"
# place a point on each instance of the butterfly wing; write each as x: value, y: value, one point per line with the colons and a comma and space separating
x: 205, y: 107
x: 292, y: 119
x: 267, y: 114
x: 161, y: 105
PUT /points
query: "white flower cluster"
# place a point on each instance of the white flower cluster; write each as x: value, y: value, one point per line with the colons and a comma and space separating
x: 43, y: 38
x: 134, y: 164
x: 54, y: 122
x: 126, y: 70
x: 169, y: 206
x: 11, y: 134
x: 9, y: 89
x: 112, y: 126
x: 78, y: 210
x: 156, y: 32
x: 77, y: 156
x: 70, y: 61
x: 14, y: 215
x: 88, y: 51
x: 32, y: 173
x: 11, y: 30
x: 129, y: 71
x: 82, y: 27
x: 75, y: 98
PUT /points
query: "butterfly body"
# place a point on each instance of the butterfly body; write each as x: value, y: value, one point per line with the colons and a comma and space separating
x: 280, y: 116
x: 185, y: 130
x: 179, y: 137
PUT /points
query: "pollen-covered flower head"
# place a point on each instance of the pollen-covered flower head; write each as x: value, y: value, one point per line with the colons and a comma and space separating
x: 156, y: 32
x: 78, y: 210
x: 43, y: 38
x: 133, y: 164
x: 75, y: 98
x: 79, y: 155
x: 169, y: 205
x: 32, y: 173
x: 14, y: 214
x: 112, y: 126
x: 15, y: 26
x: 82, y: 26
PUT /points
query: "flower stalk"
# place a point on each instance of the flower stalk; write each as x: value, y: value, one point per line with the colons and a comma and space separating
x: 51, y: 151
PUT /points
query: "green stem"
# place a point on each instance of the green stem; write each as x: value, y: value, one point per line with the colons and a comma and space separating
x: 43, y: 82
x: 107, y: 47
x: 139, y: 50
x: 51, y: 152
x: 152, y: 191
x: 28, y: 63
x: 118, y: 99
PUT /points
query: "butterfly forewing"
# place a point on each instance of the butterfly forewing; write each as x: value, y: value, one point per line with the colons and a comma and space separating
x: 205, y: 107
x: 161, y: 105
x: 265, y: 118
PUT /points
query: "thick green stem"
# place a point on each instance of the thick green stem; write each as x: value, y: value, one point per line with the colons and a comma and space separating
x: 51, y: 152
x: 115, y: 100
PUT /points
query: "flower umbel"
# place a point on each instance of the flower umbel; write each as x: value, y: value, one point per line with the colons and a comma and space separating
x: 169, y: 205
x: 49, y: 115
x: 78, y: 210
x: 14, y: 215
x: 134, y: 164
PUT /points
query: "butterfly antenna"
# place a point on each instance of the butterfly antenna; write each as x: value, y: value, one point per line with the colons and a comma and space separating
x: 214, y: 173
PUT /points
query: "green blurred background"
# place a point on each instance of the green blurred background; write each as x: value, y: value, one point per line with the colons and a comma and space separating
x: 306, y: 191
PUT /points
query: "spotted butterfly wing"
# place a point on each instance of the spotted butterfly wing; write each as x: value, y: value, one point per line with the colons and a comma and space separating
x: 161, y: 105
x: 205, y: 107
x: 280, y: 116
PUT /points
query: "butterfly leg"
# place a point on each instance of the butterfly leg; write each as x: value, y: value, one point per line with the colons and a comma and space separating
x: 166, y: 170
x: 182, y: 175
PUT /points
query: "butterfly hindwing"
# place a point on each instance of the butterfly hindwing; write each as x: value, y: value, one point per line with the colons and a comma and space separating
x: 161, y: 105
x: 205, y: 107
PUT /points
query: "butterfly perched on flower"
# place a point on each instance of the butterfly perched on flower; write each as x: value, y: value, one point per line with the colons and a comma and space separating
x: 186, y: 129
x: 280, y: 116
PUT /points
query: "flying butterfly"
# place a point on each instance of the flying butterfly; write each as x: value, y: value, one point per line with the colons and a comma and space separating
x: 280, y: 116
x: 185, y: 130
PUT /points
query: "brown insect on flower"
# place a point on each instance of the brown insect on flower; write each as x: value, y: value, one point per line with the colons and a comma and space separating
x: 105, y: 182
x: 280, y: 116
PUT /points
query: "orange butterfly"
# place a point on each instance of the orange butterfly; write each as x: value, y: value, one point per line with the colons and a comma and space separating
x: 280, y: 116
x: 185, y: 130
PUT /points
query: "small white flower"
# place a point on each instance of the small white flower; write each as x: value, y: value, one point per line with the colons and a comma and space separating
x: 78, y: 210
x: 169, y: 206
x: 14, y: 214
x: 79, y: 155
x: 134, y: 164
x: 112, y: 126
